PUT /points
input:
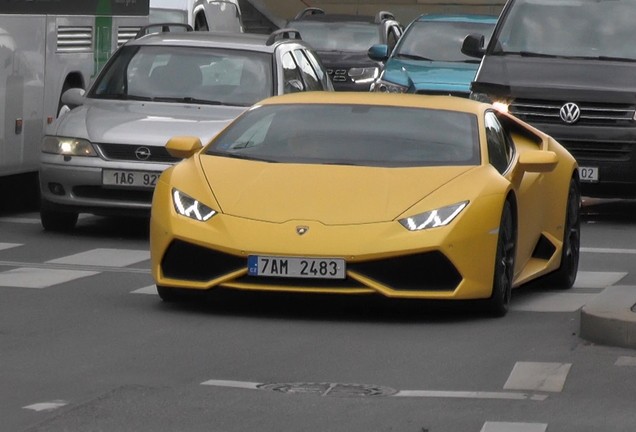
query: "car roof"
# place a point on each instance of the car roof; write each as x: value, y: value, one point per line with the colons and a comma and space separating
x: 204, y: 39
x: 327, y: 18
x: 488, y: 19
x: 379, y: 99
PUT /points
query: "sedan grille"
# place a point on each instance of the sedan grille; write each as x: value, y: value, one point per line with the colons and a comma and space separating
x: 136, y: 153
x: 611, y: 151
x: 592, y: 114
x: 337, y: 75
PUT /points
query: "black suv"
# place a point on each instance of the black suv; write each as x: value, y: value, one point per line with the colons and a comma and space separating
x: 569, y: 69
x: 342, y: 43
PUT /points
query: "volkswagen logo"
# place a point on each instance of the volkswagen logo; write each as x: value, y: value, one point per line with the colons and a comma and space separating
x: 142, y: 153
x: 570, y: 113
x: 300, y: 230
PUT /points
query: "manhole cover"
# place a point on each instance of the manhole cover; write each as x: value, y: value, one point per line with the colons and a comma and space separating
x: 330, y: 389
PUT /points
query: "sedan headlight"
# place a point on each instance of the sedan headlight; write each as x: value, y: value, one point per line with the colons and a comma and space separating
x: 363, y: 75
x: 67, y: 146
x: 434, y: 218
x: 189, y: 207
x: 388, y: 87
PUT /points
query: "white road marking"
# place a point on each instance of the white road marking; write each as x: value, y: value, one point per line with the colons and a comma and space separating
x: 536, y: 376
x: 608, y: 251
x: 597, y: 279
x: 20, y: 220
x: 550, y: 302
x: 232, y: 384
x: 151, y: 289
x: 46, y: 406
x: 105, y: 257
x: 4, y: 246
x: 40, y: 278
x: 513, y: 427
x: 625, y: 361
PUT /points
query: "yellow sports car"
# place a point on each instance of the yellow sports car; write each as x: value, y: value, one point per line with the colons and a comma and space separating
x: 410, y: 196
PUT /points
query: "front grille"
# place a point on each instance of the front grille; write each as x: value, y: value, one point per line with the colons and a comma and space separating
x: 127, y: 152
x: 444, y: 93
x: 592, y: 114
x: 74, y: 39
x: 128, y: 195
x: 598, y: 150
x: 337, y: 75
x: 185, y: 261
x: 430, y: 271
x: 125, y: 34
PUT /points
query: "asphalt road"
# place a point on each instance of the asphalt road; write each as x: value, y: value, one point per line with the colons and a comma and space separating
x: 87, y: 345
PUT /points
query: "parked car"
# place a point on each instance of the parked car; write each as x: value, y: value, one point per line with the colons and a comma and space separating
x: 342, y: 42
x: 428, y: 57
x: 569, y: 68
x: 105, y: 156
x: 204, y: 15
x: 454, y: 200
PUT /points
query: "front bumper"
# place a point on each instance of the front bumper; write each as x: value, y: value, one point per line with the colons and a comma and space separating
x: 453, y: 262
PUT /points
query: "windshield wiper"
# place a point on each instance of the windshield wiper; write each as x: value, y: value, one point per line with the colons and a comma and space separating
x: 241, y: 156
x: 610, y: 58
x: 188, y: 99
x: 413, y: 57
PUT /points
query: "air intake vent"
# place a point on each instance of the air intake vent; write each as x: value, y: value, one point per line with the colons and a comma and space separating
x: 74, y: 39
x: 124, y: 34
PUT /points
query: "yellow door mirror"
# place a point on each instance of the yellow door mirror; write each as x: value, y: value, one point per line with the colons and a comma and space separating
x: 538, y: 161
x: 183, y: 147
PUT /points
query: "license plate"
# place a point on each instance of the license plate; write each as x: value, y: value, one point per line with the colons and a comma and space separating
x: 588, y: 174
x: 315, y: 268
x: 124, y: 178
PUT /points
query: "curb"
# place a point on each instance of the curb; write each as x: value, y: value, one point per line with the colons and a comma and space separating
x: 610, y: 317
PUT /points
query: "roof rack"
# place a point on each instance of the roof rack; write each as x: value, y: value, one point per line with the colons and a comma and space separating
x: 165, y: 28
x: 309, y: 11
x: 285, y: 33
x: 383, y: 15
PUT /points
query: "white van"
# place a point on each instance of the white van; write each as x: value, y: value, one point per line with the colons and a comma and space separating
x: 205, y: 15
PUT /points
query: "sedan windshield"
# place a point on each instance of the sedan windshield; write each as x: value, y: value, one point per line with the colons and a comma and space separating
x: 339, y: 36
x: 602, y: 29
x: 364, y: 135
x: 186, y: 74
x: 439, y: 40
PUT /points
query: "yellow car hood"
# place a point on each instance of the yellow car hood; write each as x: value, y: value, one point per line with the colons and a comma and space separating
x: 330, y: 194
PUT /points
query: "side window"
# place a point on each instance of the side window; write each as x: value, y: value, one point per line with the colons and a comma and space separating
x: 499, y: 146
x: 308, y: 72
x: 200, y: 23
x: 320, y: 69
x: 292, y: 79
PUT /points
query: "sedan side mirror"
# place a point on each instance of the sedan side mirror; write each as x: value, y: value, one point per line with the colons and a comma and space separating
x: 538, y: 161
x: 473, y: 45
x: 73, y: 97
x: 379, y: 52
x: 183, y: 147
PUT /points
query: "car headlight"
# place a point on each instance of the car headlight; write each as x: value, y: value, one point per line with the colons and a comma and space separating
x: 363, y: 75
x: 500, y: 104
x: 187, y: 206
x: 434, y: 218
x: 388, y: 87
x: 67, y: 146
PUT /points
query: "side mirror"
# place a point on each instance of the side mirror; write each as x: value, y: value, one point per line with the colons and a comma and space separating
x: 73, y: 97
x: 379, y: 52
x: 538, y: 161
x: 183, y: 147
x: 473, y: 45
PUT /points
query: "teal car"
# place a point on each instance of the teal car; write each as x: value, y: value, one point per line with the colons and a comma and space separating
x: 428, y: 57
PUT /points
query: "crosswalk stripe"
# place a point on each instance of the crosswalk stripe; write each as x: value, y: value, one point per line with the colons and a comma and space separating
x: 625, y: 361
x: 75, y: 267
x: 152, y: 289
x: 105, y: 257
x: 608, y: 251
x: 537, y: 376
x: 40, y: 278
x: 587, y: 279
x: 4, y: 246
x: 550, y: 302
x: 513, y: 427
x: 46, y: 406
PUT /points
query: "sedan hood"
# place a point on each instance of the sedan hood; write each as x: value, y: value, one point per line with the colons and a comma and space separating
x: 330, y: 194
x: 451, y: 76
x: 143, y: 123
x: 333, y: 59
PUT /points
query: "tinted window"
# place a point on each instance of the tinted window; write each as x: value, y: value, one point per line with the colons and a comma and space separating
x: 309, y: 75
x: 499, y: 149
x: 338, y: 36
x: 168, y: 73
x: 292, y: 78
x: 320, y: 70
x: 440, y: 40
x: 587, y: 28
x: 352, y: 135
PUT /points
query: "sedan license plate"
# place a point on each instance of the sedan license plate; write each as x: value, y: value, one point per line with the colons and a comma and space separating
x: 125, y: 178
x: 316, y: 268
x: 588, y: 174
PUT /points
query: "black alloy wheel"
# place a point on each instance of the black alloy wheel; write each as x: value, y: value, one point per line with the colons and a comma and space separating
x: 565, y: 276
x: 498, y: 303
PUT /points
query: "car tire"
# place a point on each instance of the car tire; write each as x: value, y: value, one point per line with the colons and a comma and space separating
x: 56, y: 220
x: 169, y: 295
x: 498, y: 303
x: 564, y: 277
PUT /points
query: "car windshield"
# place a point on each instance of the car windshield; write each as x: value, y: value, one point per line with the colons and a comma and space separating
x: 338, y: 36
x: 570, y: 28
x: 186, y: 74
x: 439, y: 40
x: 362, y: 135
